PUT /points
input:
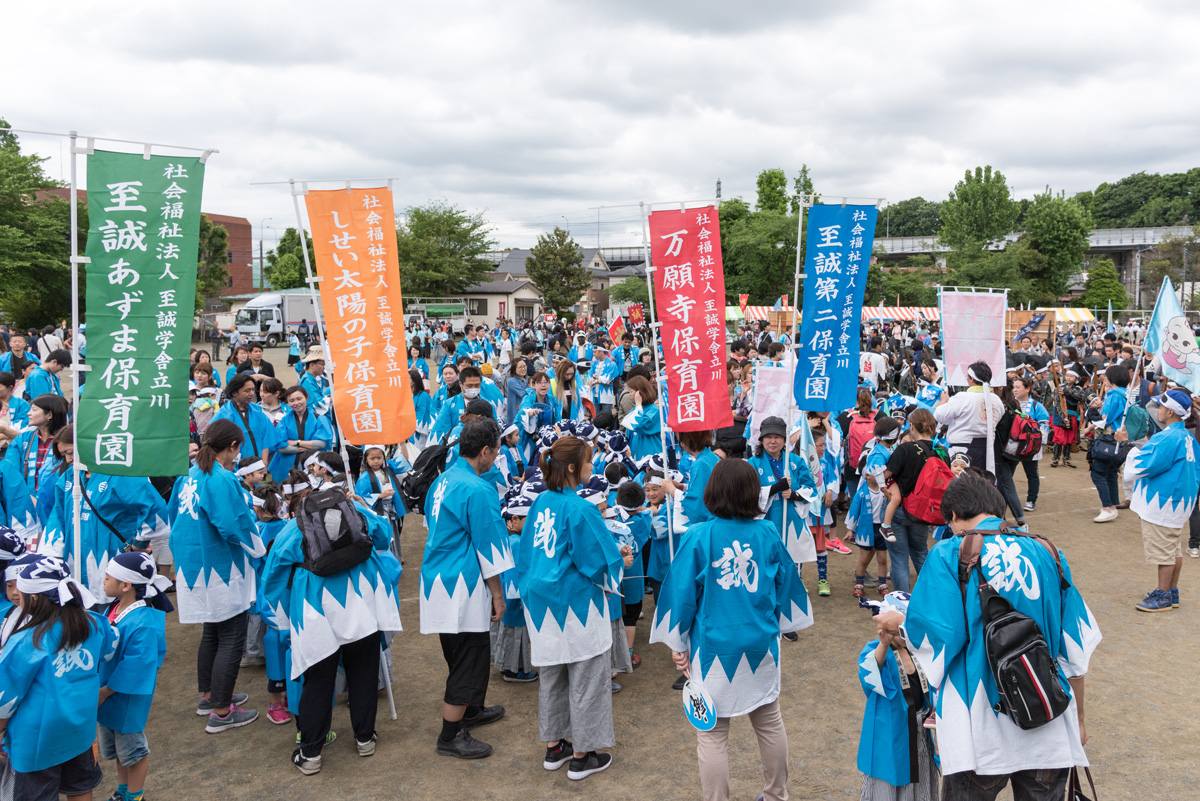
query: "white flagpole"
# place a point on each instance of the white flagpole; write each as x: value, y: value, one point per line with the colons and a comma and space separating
x: 662, y: 418
x: 312, y: 281
x: 793, y: 346
x: 76, y: 373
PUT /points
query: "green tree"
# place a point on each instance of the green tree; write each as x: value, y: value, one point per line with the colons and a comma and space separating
x: 804, y: 188
x: 772, y: 191
x: 211, y: 276
x: 1058, y: 229
x: 979, y: 212
x: 555, y: 266
x: 631, y: 290
x: 287, y: 272
x: 760, y: 256
x: 913, y: 217
x: 1176, y: 257
x: 289, y: 243
x: 1004, y: 269
x: 441, y: 250
x: 1103, y: 285
x: 35, y: 269
x: 913, y: 281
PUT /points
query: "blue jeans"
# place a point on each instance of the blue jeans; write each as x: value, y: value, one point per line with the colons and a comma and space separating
x: 1104, y: 476
x: 912, y: 541
x: 129, y: 748
x: 1007, y: 487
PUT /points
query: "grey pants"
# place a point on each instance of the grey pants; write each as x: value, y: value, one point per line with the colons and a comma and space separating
x: 255, y: 630
x: 575, y: 703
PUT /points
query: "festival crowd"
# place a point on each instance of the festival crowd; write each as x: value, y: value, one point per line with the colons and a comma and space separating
x: 557, y: 510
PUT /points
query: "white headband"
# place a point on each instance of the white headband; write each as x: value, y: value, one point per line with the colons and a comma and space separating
x: 292, y: 489
x: 895, y: 433
x: 242, y: 472
x: 34, y: 586
x: 972, y: 376
x: 258, y: 502
x: 154, y: 586
x: 310, y: 461
x: 1167, y: 402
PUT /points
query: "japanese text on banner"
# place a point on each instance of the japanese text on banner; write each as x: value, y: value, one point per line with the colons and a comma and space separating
x: 838, y: 254
x: 689, y: 299
x: 354, y: 240
x: 143, y: 242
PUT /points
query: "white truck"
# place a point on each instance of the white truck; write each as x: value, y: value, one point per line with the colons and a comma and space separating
x: 271, y: 316
x: 437, y: 311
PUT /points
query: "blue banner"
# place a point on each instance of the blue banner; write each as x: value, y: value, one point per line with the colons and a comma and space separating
x: 838, y: 253
x: 1170, y: 338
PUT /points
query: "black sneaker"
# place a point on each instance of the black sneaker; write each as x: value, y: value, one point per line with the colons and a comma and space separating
x: 463, y: 746
x: 679, y: 682
x: 559, y: 755
x: 592, y: 763
x: 306, y: 765
x: 488, y: 714
x: 791, y: 636
x: 616, y: 688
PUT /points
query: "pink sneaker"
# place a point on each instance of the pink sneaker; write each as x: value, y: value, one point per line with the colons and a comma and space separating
x: 278, y: 714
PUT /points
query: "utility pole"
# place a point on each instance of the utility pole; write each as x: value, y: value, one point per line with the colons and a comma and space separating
x: 718, y: 189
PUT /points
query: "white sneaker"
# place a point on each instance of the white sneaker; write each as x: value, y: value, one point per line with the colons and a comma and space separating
x: 1194, y: 553
x: 1105, y: 516
x: 1029, y: 506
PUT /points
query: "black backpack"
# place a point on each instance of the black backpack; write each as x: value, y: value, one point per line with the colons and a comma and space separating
x: 335, y: 533
x: 1026, y: 675
x: 429, y: 465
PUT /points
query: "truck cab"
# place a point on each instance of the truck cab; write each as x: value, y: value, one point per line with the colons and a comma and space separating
x: 261, y: 320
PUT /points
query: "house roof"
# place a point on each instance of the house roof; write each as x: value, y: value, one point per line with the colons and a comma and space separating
x: 500, y: 288
x: 514, y: 260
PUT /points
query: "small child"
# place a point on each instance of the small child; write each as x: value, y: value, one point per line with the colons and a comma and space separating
x: 12, y: 548
x: 512, y: 466
x: 251, y: 471
x: 266, y: 646
x: 15, y: 616
x: 820, y: 518
x: 631, y: 510
x: 139, y: 616
x: 50, y: 680
x: 379, y: 484
x: 896, y: 764
x: 510, y: 636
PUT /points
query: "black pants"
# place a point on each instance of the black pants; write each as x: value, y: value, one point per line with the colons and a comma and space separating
x: 360, y: 660
x: 630, y: 613
x: 469, y: 659
x: 1194, y: 527
x: 220, y: 654
x: 1027, y: 785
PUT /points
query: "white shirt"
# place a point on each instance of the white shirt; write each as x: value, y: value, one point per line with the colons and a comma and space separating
x: 873, y: 367
x: 964, y: 417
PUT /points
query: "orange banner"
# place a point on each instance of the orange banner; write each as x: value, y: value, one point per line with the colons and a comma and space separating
x: 354, y: 239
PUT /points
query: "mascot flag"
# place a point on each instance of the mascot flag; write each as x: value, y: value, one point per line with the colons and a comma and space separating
x: 355, y: 244
x: 1170, y: 338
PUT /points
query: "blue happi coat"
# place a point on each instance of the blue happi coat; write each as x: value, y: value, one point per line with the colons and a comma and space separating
x: 214, y: 536
x: 18, y: 412
x: 466, y: 545
x: 6, y: 361
x: 1165, y: 476
x: 49, y: 696
x: 133, y: 672
x: 265, y: 435
x: 693, y: 499
x: 514, y: 610
x: 731, y: 591
x: 603, y: 373
x: 131, y: 505
x: 636, y: 537
x: 569, y: 563
x: 883, y: 744
x: 16, y: 505
x: 23, y: 452
x: 324, y: 613
x: 929, y: 395
x: 644, y: 431
x: 317, y: 387
x: 370, y: 485
x: 289, y: 427
x: 42, y: 382
x: 971, y: 734
x: 797, y: 537
x: 667, y: 526
x: 866, y: 507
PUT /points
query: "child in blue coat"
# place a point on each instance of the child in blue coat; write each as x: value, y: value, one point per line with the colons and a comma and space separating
x: 128, y: 679
x: 49, y: 682
x: 630, y: 509
x: 895, y: 750
x: 510, y: 635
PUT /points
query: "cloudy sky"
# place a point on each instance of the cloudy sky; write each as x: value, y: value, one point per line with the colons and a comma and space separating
x: 543, y: 113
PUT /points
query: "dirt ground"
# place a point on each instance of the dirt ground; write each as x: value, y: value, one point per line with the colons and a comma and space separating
x: 1140, y: 711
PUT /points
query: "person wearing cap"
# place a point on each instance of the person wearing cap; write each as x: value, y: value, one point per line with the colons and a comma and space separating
x: 49, y: 683
x: 568, y: 565
x: 980, y: 747
x: 461, y: 594
x: 1166, y: 484
x: 313, y: 379
x: 729, y: 594
x: 139, y: 614
x: 895, y: 750
x: 787, y: 490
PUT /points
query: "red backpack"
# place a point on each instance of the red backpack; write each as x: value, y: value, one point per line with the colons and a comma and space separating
x: 1023, y: 438
x: 925, y: 501
x: 862, y: 430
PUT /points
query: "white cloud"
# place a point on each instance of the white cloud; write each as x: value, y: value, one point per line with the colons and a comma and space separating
x: 532, y: 111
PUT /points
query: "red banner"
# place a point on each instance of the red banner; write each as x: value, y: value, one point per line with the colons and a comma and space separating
x: 689, y: 298
x: 615, y: 331
x: 355, y: 246
x: 742, y: 301
x: 637, y: 315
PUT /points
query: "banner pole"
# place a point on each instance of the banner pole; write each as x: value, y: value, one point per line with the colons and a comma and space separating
x: 662, y: 419
x: 793, y: 345
x: 76, y: 374
x: 316, y: 300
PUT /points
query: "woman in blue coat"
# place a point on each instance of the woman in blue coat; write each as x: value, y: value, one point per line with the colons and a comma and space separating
x: 644, y: 423
x: 786, y: 502
x: 214, y: 537
x: 538, y: 408
x: 303, y: 429
x: 31, y: 451
x: 568, y: 565
x: 730, y: 592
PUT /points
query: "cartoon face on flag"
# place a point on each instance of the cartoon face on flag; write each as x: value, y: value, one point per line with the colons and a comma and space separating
x: 1170, y: 338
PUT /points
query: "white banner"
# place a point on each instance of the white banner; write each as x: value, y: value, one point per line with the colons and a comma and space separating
x: 973, y: 331
x: 772, y: 391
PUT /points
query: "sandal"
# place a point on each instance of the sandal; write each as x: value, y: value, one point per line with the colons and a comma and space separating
x: 636, y: 660
x: 1054, y: 463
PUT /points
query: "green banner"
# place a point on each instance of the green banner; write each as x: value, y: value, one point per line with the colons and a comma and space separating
x: 143, y: 243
